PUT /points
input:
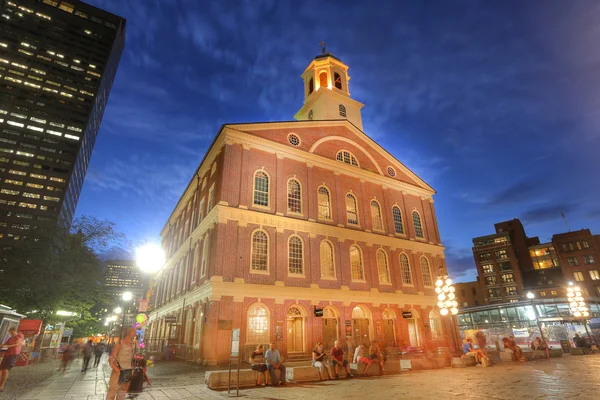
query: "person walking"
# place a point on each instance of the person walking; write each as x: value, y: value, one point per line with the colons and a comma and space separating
x: 98, y: 351
x: 121, y: 362
x: 88, y: 350
x: 13, y: 344
x: 275, y: 361
x: 67, y: 356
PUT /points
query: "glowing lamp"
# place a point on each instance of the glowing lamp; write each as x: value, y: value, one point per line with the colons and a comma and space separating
x: 438, y: 290
x: 439, y: 282
x: 454, y: 310
x: 444, y: 311
x: 441, y: 296
x: 448, y: 281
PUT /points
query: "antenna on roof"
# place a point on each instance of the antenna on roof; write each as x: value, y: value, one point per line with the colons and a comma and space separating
x: 323, y: 51
x: 565, y: 218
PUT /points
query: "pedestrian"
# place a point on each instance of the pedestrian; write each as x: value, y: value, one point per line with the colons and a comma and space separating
x: 318, y: 360
x: 376, y: 355
x: 67, y: 356
x: 88, y: 350
x: 338, y: 360
x: 13, y: 344
x: 275, y: 361
x: 359, y: 357
x: 121, y: 362
x: 98, y: 350
x: 257, y: 363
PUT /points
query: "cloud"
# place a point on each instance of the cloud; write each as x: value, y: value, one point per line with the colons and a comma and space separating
x: 546, y: 213
x: 460, y: 263
x: 516, y: 193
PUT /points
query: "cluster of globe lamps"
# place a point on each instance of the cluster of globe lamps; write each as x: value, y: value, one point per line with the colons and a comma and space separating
x: 446, y: 297
x: 576, y: 302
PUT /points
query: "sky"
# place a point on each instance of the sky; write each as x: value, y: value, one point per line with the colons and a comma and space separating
x: 494, y: 103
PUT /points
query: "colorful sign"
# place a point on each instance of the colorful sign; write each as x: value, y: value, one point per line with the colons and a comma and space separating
x: 520, y: 332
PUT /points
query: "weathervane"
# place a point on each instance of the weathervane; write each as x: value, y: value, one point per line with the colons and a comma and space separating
x: 323, y: 51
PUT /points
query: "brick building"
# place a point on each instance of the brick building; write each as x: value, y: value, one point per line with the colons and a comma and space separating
x: 281, y: 218
x: 579, y: 258
x: 469, y: 294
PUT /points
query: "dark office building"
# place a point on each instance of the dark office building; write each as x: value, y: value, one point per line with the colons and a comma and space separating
x: 58, y: 60
x: 124, y: 276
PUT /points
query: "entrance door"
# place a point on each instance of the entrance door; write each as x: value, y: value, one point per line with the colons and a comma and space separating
x: 361, y: 331
x: 330, y: 332
x: 389, y: 336
x: 413, y: 333
x: 295, y: 330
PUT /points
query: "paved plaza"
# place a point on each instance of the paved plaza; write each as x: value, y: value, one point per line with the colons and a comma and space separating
x: 569, y: 377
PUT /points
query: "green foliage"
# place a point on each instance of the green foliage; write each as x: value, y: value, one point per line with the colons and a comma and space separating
x: 57, y: 269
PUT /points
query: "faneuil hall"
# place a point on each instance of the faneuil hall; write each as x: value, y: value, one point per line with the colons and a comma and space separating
x: 282, y: 218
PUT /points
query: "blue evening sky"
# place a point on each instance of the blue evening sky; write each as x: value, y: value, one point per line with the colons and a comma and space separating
x: 496, y: 104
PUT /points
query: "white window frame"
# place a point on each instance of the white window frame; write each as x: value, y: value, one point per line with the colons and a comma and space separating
x: 362, y: 263
x: 267, y: 335
x: 287, y: 197
x: 355, y: 209
x: 259, y: 271
x: 351, y: 157
x: 319, y: 206
x: 403, y: 231
x: 422, y: 227
x: 295, y: 274
x: 379, y: 217
x: 385, y: 273
x: 195, y: 263
x: 428, y: 269
x: 330, y: 244
x: 402, y: 270
x: 211, y: 198
x: 268, y: 206
x: 205, y: 255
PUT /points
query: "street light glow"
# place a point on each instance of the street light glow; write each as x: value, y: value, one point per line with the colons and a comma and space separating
x: 446, y: 296
x: 63, y: 313
x: 149, y: 257
x: 530, y: 295
x: 127, y: 296
x: 117, y: 310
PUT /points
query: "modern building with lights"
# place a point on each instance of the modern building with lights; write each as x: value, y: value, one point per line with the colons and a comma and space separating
x: 124, y: 276
x: 284, y: 218
x: 58, y: 60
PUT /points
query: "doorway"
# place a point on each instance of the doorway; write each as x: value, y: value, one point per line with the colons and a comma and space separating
x: 413, y: 333
x: 295, y: 330
x: 389, y: 330
x: 329, y: 328
x: 361, y: 326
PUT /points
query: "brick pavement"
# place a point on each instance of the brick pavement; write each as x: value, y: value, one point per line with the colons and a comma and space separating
x: 569, y: 377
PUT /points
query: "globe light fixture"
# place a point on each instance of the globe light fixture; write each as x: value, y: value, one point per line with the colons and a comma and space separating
x: 149, y: 257
x: 577, y: 303
x: 117, y: 310
x: 127, y: 296
x: 530, y: 295
x: 447, y: 303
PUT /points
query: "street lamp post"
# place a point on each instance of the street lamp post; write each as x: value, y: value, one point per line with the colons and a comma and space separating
x: 531, y: 296
x: 447, y: 301
x: 578, y: 307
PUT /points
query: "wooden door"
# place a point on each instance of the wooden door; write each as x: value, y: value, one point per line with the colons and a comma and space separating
x: 361, y: 331
x: 389, y: 336
x: 295, y: 335
x: 330, y: 332
x: 413, y: 333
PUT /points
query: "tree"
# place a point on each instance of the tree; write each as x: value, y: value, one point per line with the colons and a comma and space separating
x: 57, y: 269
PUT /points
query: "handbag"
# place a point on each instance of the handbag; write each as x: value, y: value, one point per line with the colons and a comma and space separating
x: 124, y: 374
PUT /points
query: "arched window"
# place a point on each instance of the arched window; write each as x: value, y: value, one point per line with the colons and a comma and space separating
x: 260, y: 251
x: 342, y: 111
x: 310, y: 115
x: 417, y: 224
x: 351, y: 209
x: 258, y: 325
x: 327, y: 263
x: 382, y: 267
x: 337, y: 79
x: 323, y: 79
x: 426, y: 272
x: 311, y: 86
x: 405, y: 270
x: 261, y: 189
x: 346, y: 157
x: 376, y: 216
x: 324, y: 201
x: 435, y: 323
x: 356, y: 263
x: 205, y: 251
x: 294, y: 196
x: 397, y: 215
x: 295, y: 255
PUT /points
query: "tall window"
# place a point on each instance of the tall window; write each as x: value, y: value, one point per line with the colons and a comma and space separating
x: 397, y: 215
x: 356, y: 263
x: 311, y: 86
x: 342, y: 111
x: 323, y: 79
x: 417, y: 224
x: 260, y: 251
x: 258, y: 325
x: 294, y: 196
x: 324, y: 201
x: 205, y: 251
x: 376, y: 216
x: 346, y: 157
x: 405, y: 270
x: 211, y: 198
x: 327, y: 265
x: 337, y: 80
x: 435, y: 323
x: 426, y: 272
x: 195, y: 261
x: 261, y: 189
x: 351, y: 209
x: 382, y: 267
x: 310, y: 114
x: 201, y: 211
x: 295, y: 255
x: 578, y: 276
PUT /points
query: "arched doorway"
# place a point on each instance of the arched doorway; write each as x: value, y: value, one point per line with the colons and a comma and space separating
x: 413, y: 330
x: 389, y: 331
x: 330, y: 330
x: 295, y: 330
x: 361, y: 325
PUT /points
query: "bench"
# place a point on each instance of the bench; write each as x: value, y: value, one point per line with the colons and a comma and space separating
x: 580, y: 351
x: 389, y: 366
x: 507, y: 355
x: 218, y: 379
x: 556, y: 352
x: 463, y: 362
x: 540, y: 354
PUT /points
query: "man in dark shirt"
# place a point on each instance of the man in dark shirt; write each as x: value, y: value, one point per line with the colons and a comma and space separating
x: 337, y: 360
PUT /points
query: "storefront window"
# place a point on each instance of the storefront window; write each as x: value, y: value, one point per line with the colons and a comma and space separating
x: 511, y: 313
x: 495, y: 316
